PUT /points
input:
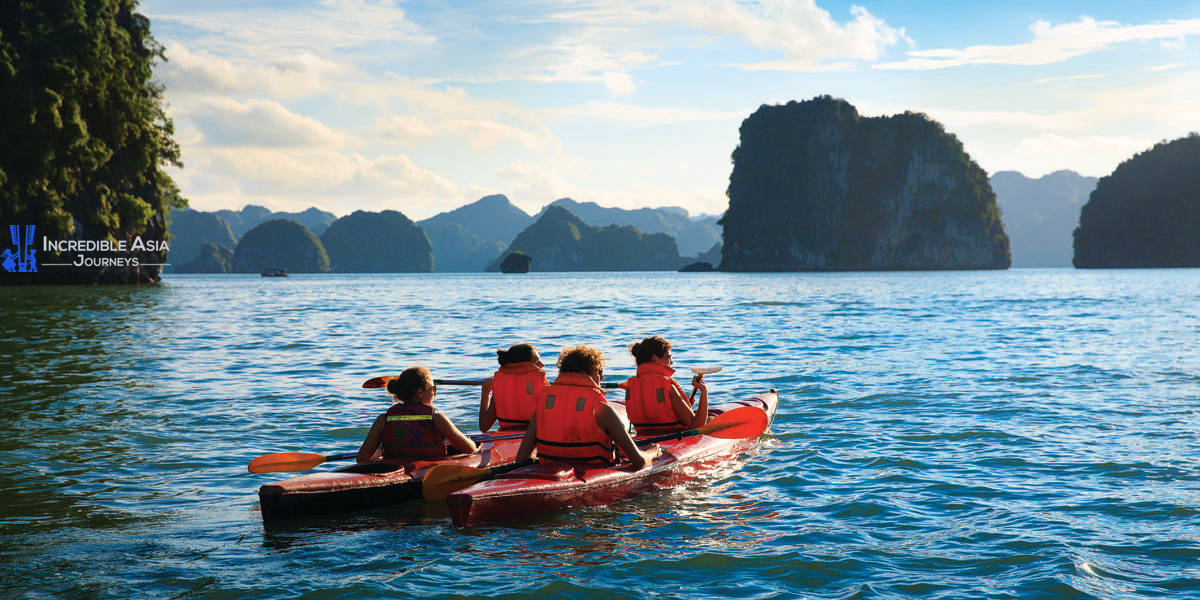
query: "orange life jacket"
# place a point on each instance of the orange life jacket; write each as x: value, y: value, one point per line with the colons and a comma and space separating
x: 649, y: 404
x: 409, y: 432
x: 566, y: 422
x: 515, y: 391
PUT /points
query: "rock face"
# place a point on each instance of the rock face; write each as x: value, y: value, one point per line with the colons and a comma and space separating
x: 1040, y: 214
x: 1146, y: 213
x: 190, y: 231
x: 561, y: 241
x: 692, y: 236
x: 280, y: 244
x: 516, y: 262
x: 382, y: 242
x: 817, y: 187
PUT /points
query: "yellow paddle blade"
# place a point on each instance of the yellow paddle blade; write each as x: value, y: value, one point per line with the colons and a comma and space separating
x: 442, y: 480
x: 707, y: 369
x: 285, y: 462
x: 736, y: 424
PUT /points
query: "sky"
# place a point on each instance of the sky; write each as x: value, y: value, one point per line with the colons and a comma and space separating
x: 422, y: 107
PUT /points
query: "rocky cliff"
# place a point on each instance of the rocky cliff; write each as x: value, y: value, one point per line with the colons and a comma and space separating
x: 817, y: 187
x: 561, y: 241
x: 1146, y: 213
x: 280, y: 244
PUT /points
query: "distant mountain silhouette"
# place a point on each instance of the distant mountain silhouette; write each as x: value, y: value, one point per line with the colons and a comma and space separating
x: 1040, y: 214
x: 489, y: 218
x: 251, y: 216
x: 190, y: 231
x: 456, y: 250
x: 561, y: 241
x: 692, y: 236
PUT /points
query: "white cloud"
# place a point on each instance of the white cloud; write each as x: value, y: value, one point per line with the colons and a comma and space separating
x: 1168, y: 67
x: 807, y: 35
x: 1067, y: 78
x: 201, y: 73
x: 338, y: 26
x: 1051, y: 44
x: 642, y: 116
x: 333, y: 180
x: 265, y: 123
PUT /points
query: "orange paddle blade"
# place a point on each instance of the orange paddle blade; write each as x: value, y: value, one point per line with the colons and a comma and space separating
x: 736, y: 424
x: 442, y: 480
x: 378, y: 382
x: 286, y: 462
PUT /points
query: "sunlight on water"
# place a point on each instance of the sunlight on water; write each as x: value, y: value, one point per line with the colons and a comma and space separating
x: 1029, y: 433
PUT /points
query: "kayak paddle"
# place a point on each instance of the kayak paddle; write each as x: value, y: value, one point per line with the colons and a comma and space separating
x: 382, y: 381
x: 294, y: 462
x: 379, y: 382
x: 744, y: 422
x: 445, y: 479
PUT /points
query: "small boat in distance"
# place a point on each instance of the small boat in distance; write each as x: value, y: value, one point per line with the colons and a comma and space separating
x: 274, y: 272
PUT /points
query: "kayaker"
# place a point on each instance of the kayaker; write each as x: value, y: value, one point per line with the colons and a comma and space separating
x: 510, y: 395
x: 411, y: 428
x: 573, y: 424
x: 654, y: 401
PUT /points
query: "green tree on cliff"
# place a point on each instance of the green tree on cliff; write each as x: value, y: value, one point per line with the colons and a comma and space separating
x: 84, y: 134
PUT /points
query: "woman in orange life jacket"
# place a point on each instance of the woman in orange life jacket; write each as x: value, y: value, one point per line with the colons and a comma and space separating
x: 654, y: 401
x: 411, y: 428
x: 573, y: 424
x: 510, y: 395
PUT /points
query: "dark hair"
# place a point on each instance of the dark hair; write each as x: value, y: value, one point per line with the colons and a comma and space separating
x: 411, y: 381
x: 648, y: 348
x: 517, y: 353
x: 580, y: 359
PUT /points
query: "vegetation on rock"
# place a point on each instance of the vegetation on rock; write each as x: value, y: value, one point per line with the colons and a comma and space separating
x: 280, y: 244
x: 817, y: 187
x: 86, y: 138
x: 1146, y: 213
x: 561, y: 241
x: 382, y: 242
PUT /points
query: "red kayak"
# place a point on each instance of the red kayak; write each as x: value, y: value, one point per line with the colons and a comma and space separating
x: 543, y: 487
x: 367, y: 485
x: 375, y: 484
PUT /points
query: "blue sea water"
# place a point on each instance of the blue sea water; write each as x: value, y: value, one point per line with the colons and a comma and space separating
x: 998, y: 434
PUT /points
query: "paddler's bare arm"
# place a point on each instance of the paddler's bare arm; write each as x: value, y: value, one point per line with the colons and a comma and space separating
x: 487, y: 408
x: 612, y: 425
x: 529, y: 442
x: 370, y: 446
x: 453, y: 435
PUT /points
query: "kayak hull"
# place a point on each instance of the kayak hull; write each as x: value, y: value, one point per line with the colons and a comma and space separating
x: 544, y: 487
x: 367, y: 486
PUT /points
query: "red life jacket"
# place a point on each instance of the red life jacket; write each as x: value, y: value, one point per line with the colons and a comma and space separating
x: 409, y: 432
x: 649, y: 404
x: 566, y: 422
x: 515, y: 391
